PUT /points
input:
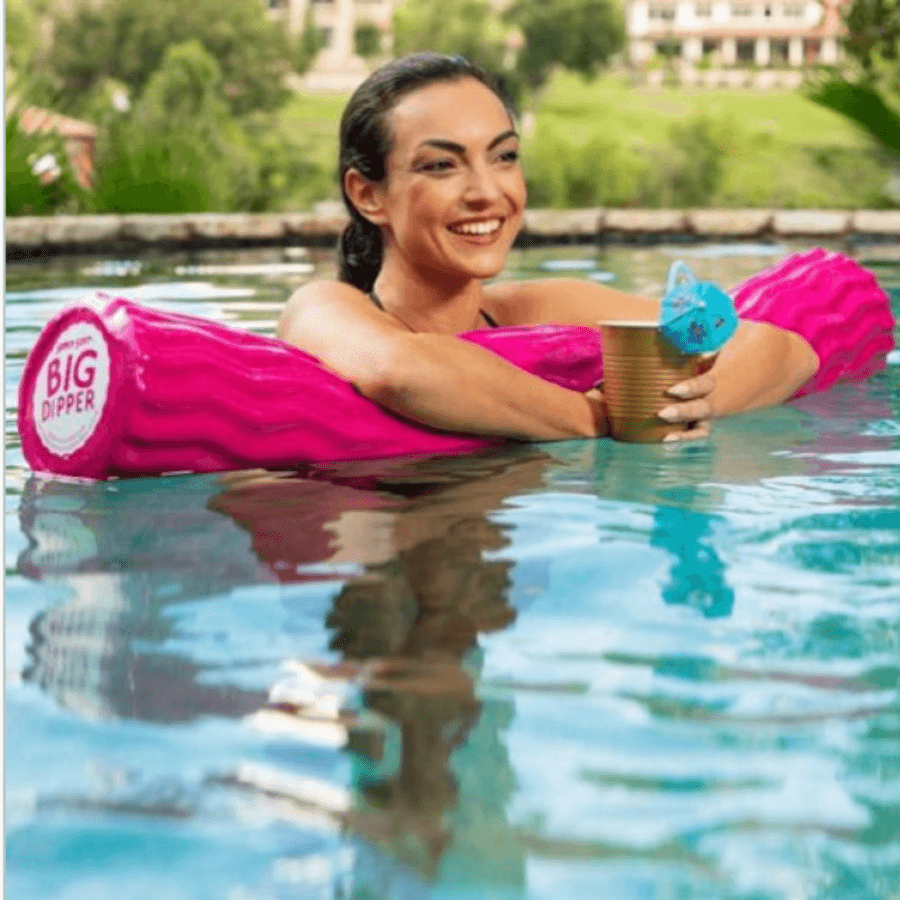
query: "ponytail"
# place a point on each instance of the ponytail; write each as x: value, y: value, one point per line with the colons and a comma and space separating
x: 360, y: 253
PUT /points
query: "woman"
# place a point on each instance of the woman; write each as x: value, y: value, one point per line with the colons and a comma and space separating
x: 430, y: 174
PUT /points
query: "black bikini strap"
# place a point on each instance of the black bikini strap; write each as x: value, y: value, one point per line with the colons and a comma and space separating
x: 492, y: 323
x: 489, y: 319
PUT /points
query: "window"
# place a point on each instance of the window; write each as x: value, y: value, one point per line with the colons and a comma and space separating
x: 742, y: 10
x: 661, y: 13
x: 703, y: 10
x: 745, y: 51
x: 668, y: 49
x: 779, y: 50
x: 794, y: 10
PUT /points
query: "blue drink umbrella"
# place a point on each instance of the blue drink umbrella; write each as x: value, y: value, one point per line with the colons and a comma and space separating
x: 696, y: 316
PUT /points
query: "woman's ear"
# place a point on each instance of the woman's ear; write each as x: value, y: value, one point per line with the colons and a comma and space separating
x: 366, y: 196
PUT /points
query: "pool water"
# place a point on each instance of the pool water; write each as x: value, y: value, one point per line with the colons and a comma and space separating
x: 572, y: 670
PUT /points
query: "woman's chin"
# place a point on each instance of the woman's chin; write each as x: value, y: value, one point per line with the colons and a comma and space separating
x: 487, y: 263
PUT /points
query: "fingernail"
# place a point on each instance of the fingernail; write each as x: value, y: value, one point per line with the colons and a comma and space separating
x: 669, y: 413
x: 671, y: 438
x: 679, y: 390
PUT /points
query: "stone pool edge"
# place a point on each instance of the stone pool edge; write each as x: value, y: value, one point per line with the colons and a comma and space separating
x: 29, y: 237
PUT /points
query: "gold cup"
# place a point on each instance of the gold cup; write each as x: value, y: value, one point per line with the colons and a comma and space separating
x: 639, y: 365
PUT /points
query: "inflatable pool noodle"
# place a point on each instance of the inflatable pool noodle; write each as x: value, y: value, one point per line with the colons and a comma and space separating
x: 113, y: 388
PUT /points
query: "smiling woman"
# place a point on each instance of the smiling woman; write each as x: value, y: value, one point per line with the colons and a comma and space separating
x: 430, y: 174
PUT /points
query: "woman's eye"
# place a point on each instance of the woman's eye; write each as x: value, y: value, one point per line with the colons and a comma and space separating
x: 509, y: 156
x: 437, y: 165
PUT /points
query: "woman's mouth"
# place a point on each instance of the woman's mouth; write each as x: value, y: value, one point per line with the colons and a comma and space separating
x: 482, y: 228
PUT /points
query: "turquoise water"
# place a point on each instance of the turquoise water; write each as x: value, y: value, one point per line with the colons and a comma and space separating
x: 576, y: 670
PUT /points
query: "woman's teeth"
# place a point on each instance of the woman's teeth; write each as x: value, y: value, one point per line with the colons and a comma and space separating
x: 477, y: 227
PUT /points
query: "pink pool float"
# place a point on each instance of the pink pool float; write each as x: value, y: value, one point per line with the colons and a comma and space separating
x: 114, y: 388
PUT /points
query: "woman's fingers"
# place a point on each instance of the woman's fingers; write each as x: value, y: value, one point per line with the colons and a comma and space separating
x: 688, y: 411
x: 698, y: 432
x: 695, y: 408
x: 698, y: 386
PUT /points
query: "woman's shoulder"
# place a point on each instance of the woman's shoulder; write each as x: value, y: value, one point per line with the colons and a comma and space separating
x: 321, y: 299
x: 519, y: 302
x: 324, y: 290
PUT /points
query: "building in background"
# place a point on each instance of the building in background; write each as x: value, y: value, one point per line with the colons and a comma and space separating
x: 766, y: 35
x: 762, y: 33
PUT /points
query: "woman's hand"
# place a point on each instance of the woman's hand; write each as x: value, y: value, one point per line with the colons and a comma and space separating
x: 762, y: 365
x: 600, y: 414
x: 695, y: 407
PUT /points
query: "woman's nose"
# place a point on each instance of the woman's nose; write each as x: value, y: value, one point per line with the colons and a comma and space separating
x: 481, y: 185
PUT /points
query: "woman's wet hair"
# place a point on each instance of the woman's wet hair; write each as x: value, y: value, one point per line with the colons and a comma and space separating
x: 366, y: 142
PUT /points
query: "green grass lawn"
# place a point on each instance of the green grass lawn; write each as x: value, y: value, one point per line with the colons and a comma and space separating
x: 644, y: 114
x: 608, y: 143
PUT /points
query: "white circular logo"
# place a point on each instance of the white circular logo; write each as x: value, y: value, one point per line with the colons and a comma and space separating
x: 71, y: 389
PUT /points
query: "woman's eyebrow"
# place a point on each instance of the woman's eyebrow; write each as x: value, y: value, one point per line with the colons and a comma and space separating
x: 505, y: 136
x: 453, y: 147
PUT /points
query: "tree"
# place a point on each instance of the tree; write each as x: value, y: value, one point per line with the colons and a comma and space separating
x: 309, y: 43
x: 873, y: 37
x: 178, y: 148
x: 22, y: 34
x: 580, y: 35
x: 367, y: 40
x: 866, y: 89
x: 469, y: 27
x: 127, y: 41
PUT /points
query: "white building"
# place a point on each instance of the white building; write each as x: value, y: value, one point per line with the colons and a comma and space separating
x: 735, y: 32
x: 762, y: 33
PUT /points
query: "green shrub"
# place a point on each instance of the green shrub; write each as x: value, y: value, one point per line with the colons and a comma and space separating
x: 27, y: 194
x: 177, y: 149
x: 688, y: 170
x: 307, y: 44
x: 22, y: 34
x: 291, y: 169
x: 367, y: 40
x: 545, y: 163
x: 604, y: 172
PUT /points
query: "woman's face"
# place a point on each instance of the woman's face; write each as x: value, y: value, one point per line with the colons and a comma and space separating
x: 454, y: 195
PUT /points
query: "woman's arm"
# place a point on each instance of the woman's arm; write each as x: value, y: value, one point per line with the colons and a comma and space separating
x: 762, y: 365
x: 436, y: 380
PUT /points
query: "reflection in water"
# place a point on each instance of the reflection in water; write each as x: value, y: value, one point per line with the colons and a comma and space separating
x: 678, y: 484
x: 697, y: 577
x: 403, y: 555
x: 334, y: 622
x: 126, y: 558
x: 406, y: 630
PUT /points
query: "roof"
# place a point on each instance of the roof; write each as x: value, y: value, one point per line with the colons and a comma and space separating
x: 36, y: 119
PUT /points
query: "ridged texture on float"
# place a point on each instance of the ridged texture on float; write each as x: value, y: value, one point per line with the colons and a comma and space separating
x: 831, y: 301
x: 208, y: 397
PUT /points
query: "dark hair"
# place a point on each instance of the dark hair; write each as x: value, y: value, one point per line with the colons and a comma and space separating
x: 366, y: 141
